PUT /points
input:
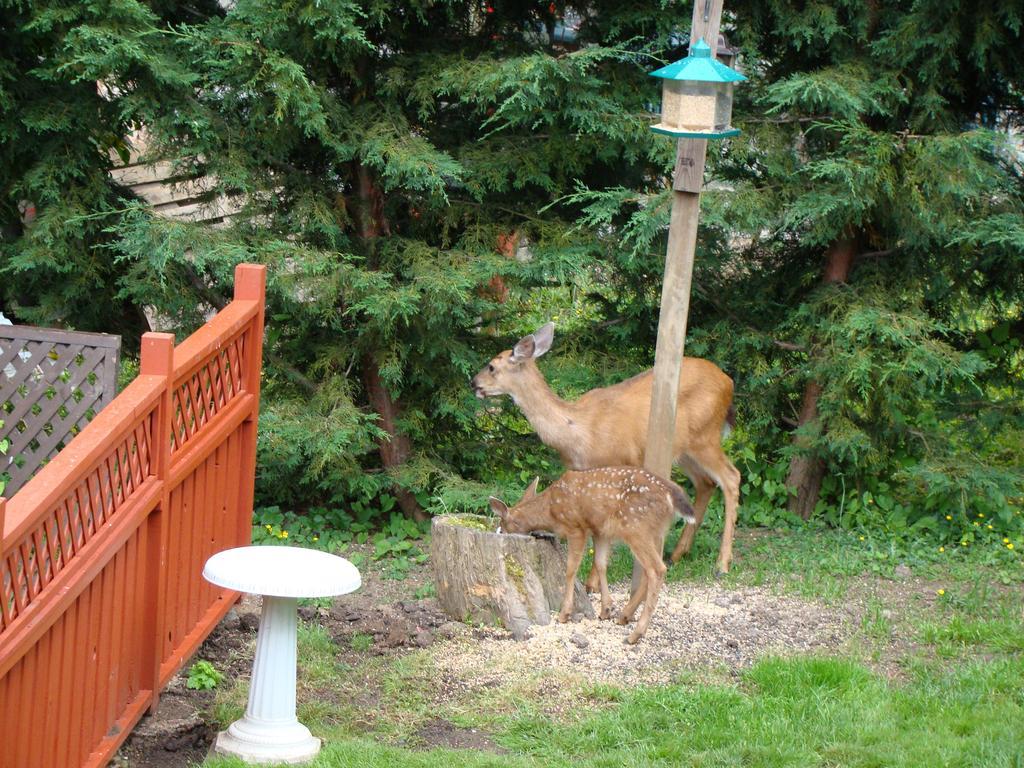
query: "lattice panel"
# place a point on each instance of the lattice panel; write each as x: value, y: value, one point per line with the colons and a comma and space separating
x: 43, y: 553
x: 205, y: 392
x: 52, y: 383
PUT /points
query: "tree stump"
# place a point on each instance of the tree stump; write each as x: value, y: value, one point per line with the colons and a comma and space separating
x: 481, y: 575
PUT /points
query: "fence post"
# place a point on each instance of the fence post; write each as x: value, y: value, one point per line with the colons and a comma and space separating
x: 250, y: 285
x: 157, y: 359
x: 3, y: 517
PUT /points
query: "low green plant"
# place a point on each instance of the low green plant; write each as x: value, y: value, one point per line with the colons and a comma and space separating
x: 203, y: 676
x: 360, y: 642
x: 319, y: 528
x: 398, y: 545
x: 425, y: 591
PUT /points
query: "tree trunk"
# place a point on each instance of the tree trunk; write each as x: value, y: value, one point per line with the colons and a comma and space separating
x: 806, y: 469
x: 396, y: 448
x: 489, y: 577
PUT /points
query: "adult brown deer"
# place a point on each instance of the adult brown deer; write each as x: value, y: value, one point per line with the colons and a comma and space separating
x: 625, y: 503
x: 607, y: 426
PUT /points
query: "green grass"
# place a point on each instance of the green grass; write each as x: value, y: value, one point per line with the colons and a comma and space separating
x: 959, y: 700
x: 958, y: 635
x: 802, y: 712
x: 797, y: 712
x: 363, y: 753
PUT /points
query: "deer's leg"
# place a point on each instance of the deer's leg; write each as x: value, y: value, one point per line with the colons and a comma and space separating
x: 602, y: 548
x: 731, y: 489
x: 648, y: 553
x: 577, y: 542
x: 718, y: 467
x: 704, y: 487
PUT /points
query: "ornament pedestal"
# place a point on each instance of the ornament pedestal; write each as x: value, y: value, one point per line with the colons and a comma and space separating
x: 270, y: 732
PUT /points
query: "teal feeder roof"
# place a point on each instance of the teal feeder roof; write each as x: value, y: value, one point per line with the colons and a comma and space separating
x: 725, y: 133
x: 699, y: 66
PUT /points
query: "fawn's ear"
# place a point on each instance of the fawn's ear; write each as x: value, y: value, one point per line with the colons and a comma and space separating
x: 531, y: 489
x: 498, y: 507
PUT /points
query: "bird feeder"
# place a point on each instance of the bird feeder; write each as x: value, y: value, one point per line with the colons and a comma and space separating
x: 696, y: 97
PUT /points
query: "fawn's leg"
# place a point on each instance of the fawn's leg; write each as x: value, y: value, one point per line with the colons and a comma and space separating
x: 704, y: 487
x: 648, y: 553
x: 577, y: 542
x: 634, y: 601
x: 593, y: 582
x: 602, y: 548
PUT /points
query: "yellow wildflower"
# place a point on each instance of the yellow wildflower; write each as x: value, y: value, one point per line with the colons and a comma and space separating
x: 862, y: 538
x: 316, y: 538
x: 1010, y: 545
x: 284, y: 534
x: 942, y: 549
x: 1006, y: 541
x: 949, y: 517
x: 941, y: 592
x: 981, y: 514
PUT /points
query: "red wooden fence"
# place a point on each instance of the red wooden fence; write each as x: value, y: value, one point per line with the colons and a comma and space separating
x: 101, y: 597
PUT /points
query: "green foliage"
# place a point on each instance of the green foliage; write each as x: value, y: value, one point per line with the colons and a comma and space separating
x: 4, y: 477
x: 5, y: 444
x: 386, y: 155
x: 203, y: 676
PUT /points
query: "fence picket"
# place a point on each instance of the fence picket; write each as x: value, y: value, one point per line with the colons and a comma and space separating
x: 99, y: 604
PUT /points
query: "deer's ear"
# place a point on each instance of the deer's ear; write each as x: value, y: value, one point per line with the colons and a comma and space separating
x: 543, y: 338
x: 531, y: 489
x: 524, y: 349
x: 534, y: 345
x: 498, y: 507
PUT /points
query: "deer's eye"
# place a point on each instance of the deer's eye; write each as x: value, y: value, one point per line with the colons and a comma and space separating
x: 490, y: 367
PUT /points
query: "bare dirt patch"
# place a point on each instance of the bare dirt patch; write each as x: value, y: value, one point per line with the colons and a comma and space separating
x: 694, y: 627
x: 441, y: 733
x: 180, y: 732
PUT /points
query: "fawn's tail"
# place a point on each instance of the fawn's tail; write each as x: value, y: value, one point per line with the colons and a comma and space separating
x: 681, y: 503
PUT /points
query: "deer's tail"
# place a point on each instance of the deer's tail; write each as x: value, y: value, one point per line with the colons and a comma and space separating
x: 730, y: 420
x: 681, y: 503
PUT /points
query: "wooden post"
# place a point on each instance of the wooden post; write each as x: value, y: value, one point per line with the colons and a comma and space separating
x: 675, y: 293
x: 250, y: 285
x: 157, y: 359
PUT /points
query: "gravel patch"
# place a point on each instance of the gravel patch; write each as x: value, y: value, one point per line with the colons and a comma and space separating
x: 694, y: 627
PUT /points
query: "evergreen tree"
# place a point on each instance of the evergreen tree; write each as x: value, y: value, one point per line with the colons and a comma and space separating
x: 858, y: 265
